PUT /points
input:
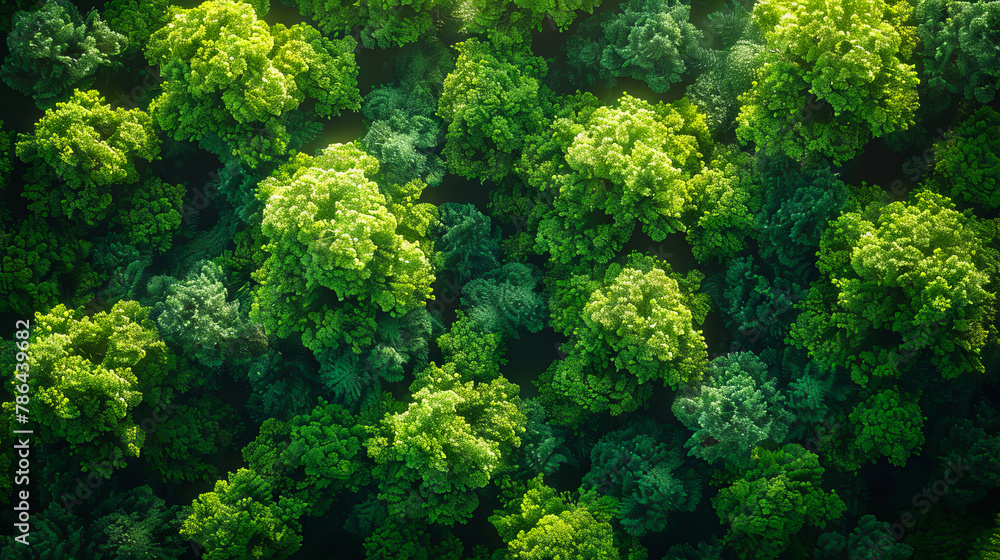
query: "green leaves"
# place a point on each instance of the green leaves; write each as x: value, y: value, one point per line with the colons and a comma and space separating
x: 92, y: 372
x: 449, y: 442
x: 334, y: 232
x: 543, y: 524
x: 196, y: 315
x: 637, y: 327
x: 491, y: 101
x: 736, y: 407
x: 89, y: 146
x: 913, y: 281
x: 967, y: 165
x: 960, y: 49
x: 626, y: 163
x: 54, y: 49
x: 888, y: 424
x: 238, y: 520
x: 640, y: 467
x: 776, y: 498
x: 230, y: 75
x: 850, y: 56
x: 650, y: 40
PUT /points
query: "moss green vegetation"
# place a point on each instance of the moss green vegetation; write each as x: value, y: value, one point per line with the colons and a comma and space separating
x: 501, y: 279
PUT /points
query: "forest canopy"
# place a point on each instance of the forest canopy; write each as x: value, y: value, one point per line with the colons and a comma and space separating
x: 500, y: 279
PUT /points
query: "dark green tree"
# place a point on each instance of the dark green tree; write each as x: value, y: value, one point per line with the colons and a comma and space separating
x: 867, y: 540
x: 185, y: 446
x: 136, y: 20
x: 773, y: 500
x: 196, y: 316
x: 967, y: 164
x: 641, y: 467
x: 736, y: 407
x: 504, y: 301
x: 41, y: 266
x: 960, y: 45
x: 649, y: 40
x: 54, y: 50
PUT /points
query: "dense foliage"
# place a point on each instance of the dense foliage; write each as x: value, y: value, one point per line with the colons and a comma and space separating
x: 500, y: 279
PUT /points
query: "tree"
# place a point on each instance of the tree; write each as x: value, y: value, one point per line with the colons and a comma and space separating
x: 491, y: 101
x: 730, y: 71
x: 136, y: 20
x: 966, y: 165
x: 976, y: 444
x: 412, y: 539
x: 724, y: 205
x: 640, y: 466
x: 91, y: 372
x: 403, y: 142
x: 987, y: 547
x: 56, y: 533
x: 41, y: 267
x: 403, y: 129
x: 649, y: 40
x: 477, y: 355
x: 846, y: 59
x: 542, y: 524
x: 137, y: 524
x: 346, y: 240
x: 736, y: 407
x: 231, y: 77
x: 449, y: 442
x: 773, y: 500
x: 401, y: 347
x: 239, y: 520
x: 310, y: 458
x: 466, y: 242
x: 627, y: 163
x: 960, y: 44
x: 382, y: 24
x: 867, y: 538
x: 757, y: 311
x: 196, y: 316
x: 543, y: 447
x: 504, y: 301
x: 637, y: 328
x: 89, y: 146
x: 512, y: 20
x: 84, y: 155
x: 54, y: 50
x: 705, y: 551
x: 900, y: 281
x: 887, y: 423
x: 183, y: 448
x: 797, y: 205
